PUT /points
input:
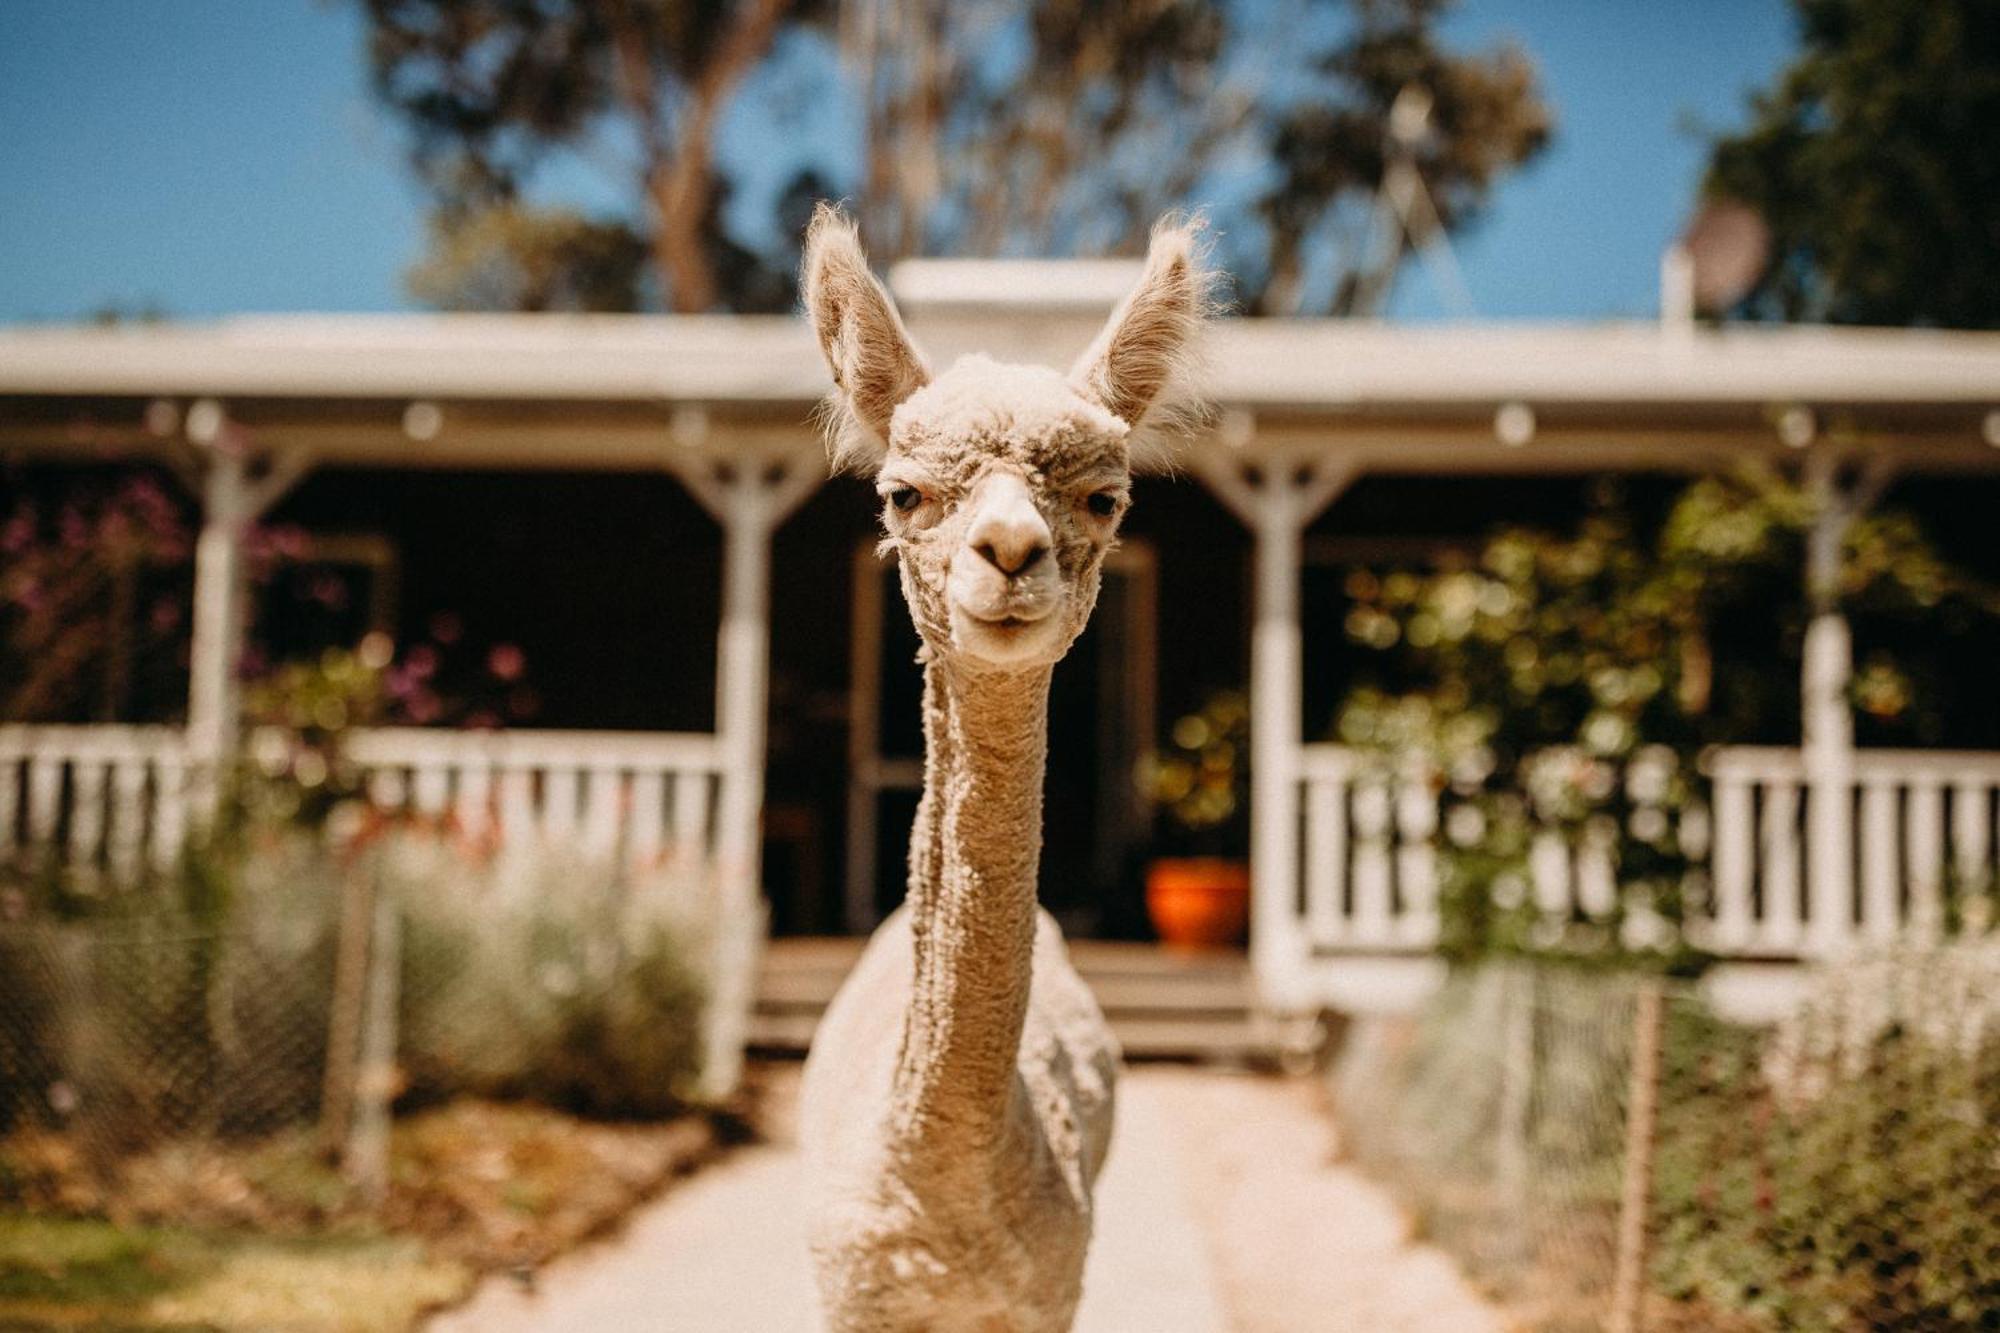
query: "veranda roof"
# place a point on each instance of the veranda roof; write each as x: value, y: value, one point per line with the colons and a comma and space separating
x: 592, y: 392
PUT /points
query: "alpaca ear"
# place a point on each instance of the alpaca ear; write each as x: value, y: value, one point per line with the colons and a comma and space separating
x: 875, y: 365
x: 1143, y: 365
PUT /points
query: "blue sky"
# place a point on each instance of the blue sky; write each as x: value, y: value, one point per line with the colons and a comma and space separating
x: 208, y: 157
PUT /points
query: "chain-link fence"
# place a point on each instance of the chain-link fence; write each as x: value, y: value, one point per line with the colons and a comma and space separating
x: 1556, y: 1130
x: 165, y: 1060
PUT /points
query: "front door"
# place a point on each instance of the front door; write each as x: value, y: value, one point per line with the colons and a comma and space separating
x: 1101, y: 719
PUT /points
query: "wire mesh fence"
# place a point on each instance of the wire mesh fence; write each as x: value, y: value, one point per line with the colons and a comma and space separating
x: 166, y: 1061
x: 1838, y: 1171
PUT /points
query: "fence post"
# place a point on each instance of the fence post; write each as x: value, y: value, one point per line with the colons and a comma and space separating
x: 350, y: 992
x: 366, y: 1161
x: 1517, y: 1085
x: 1628, y: 1290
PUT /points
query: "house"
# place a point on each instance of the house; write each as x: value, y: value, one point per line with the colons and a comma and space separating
x: 642, y: 502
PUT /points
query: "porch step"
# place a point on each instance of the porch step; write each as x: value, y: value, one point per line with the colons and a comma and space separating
x: 1161, y: 1005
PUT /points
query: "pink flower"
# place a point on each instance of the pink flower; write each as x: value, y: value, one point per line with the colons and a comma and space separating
x: 422, y: 662
x: 20, y: 531
x: 506, y: 662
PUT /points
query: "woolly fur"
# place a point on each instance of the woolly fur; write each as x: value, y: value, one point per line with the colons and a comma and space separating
x: 957, y: 1102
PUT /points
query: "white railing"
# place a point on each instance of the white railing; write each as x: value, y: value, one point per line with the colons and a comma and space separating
x: 637, y: 797
x: 97, y: 796
x: 117, y: 798
x: 1923, y: 826
x: 1368, y: 859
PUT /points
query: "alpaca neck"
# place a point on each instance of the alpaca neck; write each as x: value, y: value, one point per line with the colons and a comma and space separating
x: 974, y: 853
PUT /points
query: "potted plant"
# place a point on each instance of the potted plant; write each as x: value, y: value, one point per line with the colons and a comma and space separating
x: 1199, y: 896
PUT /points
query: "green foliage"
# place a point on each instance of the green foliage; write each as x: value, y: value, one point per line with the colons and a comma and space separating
x: 1200, y: 775
x: 514, y: 257
x: 137, y: 1019
x: 1832, y: 1175
x: 1853, y: 1186
x: 1871, y: 162
x: 1052, y: 126
x: 1566, y: 685
x: 86, y: 1273
x: 544, y: 982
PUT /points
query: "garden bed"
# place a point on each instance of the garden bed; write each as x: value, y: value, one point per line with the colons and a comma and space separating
x: 264, y: 1234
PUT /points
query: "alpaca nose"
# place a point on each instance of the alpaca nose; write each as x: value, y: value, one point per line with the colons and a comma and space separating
x: 1009, y: 533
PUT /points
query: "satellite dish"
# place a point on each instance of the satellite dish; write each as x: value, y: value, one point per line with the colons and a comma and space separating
x: 1730, y: 247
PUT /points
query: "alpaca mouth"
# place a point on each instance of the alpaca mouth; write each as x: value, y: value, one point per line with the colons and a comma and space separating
x: 1015, y: 635
x: 1010, y: 620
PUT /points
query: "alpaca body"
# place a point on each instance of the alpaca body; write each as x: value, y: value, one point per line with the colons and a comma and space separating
x: 992, y: 1243
x: 957, y: 1104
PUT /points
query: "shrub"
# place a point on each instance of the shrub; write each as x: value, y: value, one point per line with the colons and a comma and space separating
x: 547, y: 976
x: 1845, y: 1175
x: 201, y: 1008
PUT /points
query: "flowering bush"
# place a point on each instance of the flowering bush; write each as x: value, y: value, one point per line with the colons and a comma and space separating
x: 91, y: 617
x: 300, y: 711
x: 1566, y: 685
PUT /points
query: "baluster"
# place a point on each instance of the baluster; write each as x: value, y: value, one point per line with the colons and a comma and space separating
x: 1881, y: 913
x: 1597, y: 872
x: 693, y: 795
x: 517, y: 805
x: 45, y: 780
x: 1924, y: 848
x: 603, y: 789
x: 10, y: 800
x: 1549, y: 874
x: 170, y: 784
x: 1416, y: 860
x: 1326, y: 859
x: 430, y: 788
x: 1371, y: 863
x: 559, y: 789
x: 648, y: 816
x: 1734, y: 863
x: 1784, y: 891
x: 86, y: 812
x: 388, y: 789
x: 1971, y: 835
x: 473, y: 806
x: 127, y: 818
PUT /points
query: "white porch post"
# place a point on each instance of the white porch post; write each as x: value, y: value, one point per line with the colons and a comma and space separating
x: 217, y: 632
x: 1276, y: 494
x: 749, y: 494
x: 232, y: 499
x: 1827, y: 718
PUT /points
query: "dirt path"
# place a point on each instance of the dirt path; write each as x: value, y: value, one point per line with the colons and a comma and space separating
x: 1217, y: 1211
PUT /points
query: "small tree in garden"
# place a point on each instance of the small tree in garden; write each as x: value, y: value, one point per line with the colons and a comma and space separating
x: 1566, y: 685
x: 93, y: 603
x: 1200, y: 777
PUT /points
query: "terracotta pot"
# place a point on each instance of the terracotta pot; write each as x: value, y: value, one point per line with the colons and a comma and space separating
x: 1198, y: 902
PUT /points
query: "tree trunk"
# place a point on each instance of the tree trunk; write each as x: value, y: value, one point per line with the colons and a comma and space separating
x: 683, y: 185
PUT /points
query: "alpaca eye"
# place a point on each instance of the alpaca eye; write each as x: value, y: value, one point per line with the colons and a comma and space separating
x: 1103, y: 504
x: 905, y: 498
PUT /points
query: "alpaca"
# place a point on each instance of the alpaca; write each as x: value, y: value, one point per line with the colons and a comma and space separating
x: 957, y: 1103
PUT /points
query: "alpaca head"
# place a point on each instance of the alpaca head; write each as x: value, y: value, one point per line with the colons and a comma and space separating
x: 1002, y: 486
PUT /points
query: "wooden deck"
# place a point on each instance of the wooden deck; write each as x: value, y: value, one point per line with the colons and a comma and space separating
x: 1161, y: 1004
